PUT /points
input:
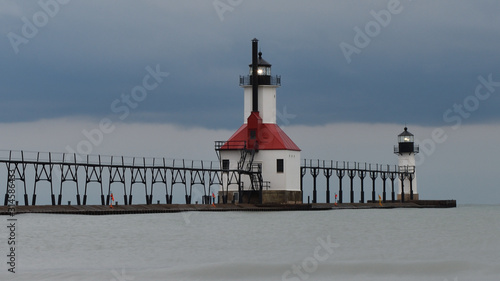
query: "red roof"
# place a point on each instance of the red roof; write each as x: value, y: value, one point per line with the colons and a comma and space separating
x: 270, y: 137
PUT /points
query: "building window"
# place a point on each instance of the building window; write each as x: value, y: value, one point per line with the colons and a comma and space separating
x: 225, y: 164
x: 280, y: 166
x: 253, y: 134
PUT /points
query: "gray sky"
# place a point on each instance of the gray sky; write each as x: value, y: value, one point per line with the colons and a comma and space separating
x: 345, y: 65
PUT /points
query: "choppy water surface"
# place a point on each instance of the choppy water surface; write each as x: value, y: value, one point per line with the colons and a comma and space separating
x: 397, y: 244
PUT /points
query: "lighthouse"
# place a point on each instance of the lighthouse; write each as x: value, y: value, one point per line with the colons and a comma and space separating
x: 267, y: 160
x: 406, y: 150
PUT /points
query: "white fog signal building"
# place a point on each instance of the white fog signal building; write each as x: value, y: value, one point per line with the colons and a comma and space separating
x: 269, y: 159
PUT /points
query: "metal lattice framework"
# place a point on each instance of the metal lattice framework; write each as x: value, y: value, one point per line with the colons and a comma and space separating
x: 67, y: 175
x: 355, y: 170
x: 70, y: 173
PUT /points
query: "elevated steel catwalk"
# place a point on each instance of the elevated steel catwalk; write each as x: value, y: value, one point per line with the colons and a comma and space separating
x: 63, y: 175
x: 355, y: 170
x: 30, y: 169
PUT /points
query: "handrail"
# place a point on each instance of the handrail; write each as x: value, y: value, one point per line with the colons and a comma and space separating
x: 60, y: 158
x: 355, y: 166
x: 273, y: 80
x: 230, y: 145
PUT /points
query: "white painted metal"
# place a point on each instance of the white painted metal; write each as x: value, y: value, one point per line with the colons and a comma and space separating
x: 407, y: 159
x: 267, y: 103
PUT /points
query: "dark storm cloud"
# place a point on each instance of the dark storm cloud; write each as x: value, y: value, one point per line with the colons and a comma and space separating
x: 427, y: 58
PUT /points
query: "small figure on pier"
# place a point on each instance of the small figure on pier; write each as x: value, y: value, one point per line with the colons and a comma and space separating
x: 112, y: 201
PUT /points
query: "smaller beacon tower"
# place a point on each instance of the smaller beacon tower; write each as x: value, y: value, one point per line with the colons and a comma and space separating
x: 406, y: 150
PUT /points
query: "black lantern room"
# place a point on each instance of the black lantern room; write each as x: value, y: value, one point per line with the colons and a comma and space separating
x: 263, y: 72
x: 406, y: 143
x: 263, y: 67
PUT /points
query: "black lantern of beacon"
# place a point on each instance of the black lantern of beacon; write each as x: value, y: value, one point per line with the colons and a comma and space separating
x: 406, y: 143
x: 263, y: 71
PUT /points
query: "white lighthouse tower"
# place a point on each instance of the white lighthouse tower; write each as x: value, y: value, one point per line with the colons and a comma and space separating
x: 268, y: 160
x: 406, y: 150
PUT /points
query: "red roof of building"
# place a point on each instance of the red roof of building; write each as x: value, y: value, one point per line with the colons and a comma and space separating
x: 270, y: 137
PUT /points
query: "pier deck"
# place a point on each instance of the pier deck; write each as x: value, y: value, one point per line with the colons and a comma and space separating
x: 174, y: 208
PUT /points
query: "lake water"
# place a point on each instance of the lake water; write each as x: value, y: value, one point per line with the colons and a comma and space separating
x: 388, y: 244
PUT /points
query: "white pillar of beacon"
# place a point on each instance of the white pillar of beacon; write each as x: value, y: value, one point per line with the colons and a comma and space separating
x: 406, y: 150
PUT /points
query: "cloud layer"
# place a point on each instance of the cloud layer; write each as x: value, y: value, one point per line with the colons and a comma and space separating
x: 414, y: 66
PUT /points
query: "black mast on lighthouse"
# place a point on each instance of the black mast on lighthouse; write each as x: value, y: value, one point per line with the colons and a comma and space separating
x: 255, y: 82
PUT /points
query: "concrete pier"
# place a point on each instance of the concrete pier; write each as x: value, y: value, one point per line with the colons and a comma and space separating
x: 175, y: 208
